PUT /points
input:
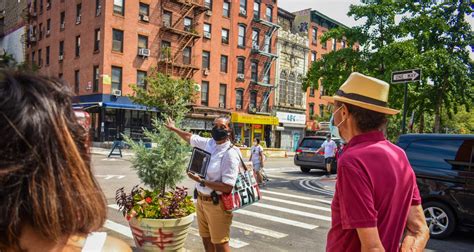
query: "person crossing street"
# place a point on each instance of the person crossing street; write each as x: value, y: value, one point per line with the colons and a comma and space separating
x: 329, y: 147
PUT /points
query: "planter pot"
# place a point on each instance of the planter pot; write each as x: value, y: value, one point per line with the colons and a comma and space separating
x: 160, y: 234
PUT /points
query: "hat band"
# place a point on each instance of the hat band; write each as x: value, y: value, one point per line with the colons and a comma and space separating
x: 362, y: 98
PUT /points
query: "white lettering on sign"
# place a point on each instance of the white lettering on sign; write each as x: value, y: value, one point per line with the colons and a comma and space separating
x: 284, y: 117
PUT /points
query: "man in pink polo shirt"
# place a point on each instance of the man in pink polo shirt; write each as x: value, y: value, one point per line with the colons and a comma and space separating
x: 377, y: 199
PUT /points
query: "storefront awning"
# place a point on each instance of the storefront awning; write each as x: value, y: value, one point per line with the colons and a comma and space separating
x: 127, y: 106
x: 254, y: 119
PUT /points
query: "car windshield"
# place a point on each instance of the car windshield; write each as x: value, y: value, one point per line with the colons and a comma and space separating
x: 311, y: 143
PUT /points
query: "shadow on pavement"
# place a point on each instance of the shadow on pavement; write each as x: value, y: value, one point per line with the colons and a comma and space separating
x: 459, y: 241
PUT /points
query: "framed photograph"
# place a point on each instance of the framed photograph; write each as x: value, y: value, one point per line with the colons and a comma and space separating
x: 199, y: 162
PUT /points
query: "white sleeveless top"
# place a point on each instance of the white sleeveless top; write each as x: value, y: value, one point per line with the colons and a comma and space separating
x: 95, y: 242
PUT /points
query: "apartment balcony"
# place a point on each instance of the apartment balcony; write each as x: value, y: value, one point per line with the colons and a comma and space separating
x: 265, y: 22
x: 262, y: 84
x: 256, y: 50
x: 178, y: 60
x: 184, y: 31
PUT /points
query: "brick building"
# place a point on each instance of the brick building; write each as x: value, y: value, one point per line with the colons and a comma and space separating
x: 101, y: 48
x: 13, y: 28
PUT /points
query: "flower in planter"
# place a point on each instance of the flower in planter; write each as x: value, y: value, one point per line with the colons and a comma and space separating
x: 144, y: 203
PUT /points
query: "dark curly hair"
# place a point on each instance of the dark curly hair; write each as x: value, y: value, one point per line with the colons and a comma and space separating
x: 366, y: 120
x: 45, y: 174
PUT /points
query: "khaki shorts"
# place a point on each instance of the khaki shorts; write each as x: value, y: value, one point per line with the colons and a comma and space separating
x: 213, y: 221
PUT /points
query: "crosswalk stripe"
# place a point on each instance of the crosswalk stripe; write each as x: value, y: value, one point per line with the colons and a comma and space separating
x: 258, y: 230
x: 276, y: 219
x: 119, y: 228
x: 327, y: 209
x: 296, y: 196
x: 292, y: 211
x: 233, y: 243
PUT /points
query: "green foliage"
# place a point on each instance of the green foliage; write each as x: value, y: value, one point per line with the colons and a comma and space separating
x: 432, y: 35
x: 8, y: 61
x: 163, y: 166
x: 206, y: 134
x: 143, y: 203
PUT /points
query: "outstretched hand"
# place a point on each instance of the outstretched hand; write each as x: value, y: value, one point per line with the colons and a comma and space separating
x: 170, y: 123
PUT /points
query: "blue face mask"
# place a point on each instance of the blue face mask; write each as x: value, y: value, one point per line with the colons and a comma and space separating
x: 334, y: 130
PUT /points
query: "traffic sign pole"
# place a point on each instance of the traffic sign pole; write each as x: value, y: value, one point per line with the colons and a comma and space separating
x: 405, y: 103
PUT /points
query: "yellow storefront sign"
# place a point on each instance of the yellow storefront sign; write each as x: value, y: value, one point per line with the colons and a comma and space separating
x: 254, y: 119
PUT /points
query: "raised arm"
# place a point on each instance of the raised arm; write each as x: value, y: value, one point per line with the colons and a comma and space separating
x: 186, y: 136
x: 417, y: 232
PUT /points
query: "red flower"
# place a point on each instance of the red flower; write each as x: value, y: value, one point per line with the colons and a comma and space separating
x: 148, y: 200
x: 128, y: 217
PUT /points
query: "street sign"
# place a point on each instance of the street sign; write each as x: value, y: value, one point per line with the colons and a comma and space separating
x: 406, y: 76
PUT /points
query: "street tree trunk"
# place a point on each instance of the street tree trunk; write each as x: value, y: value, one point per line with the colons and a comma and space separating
x: 421, y: 128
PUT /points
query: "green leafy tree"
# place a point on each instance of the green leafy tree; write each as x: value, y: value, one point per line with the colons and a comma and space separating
x: 432, y: 35
x: 162, y: 167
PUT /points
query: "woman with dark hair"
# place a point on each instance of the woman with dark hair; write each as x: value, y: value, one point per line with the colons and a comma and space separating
x: 49, y: 199
x: 213, y: 221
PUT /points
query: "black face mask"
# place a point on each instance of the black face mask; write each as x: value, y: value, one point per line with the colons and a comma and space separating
x: 219, y: 134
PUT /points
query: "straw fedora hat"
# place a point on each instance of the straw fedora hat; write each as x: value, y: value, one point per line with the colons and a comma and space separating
x: 365, y: 92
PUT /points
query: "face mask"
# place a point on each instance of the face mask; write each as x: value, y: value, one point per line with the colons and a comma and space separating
x: 219, y: 134
x: 335, y: 128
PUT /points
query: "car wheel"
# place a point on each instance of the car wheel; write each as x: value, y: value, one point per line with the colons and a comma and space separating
x: 305, y: 169
x: 440, y: 219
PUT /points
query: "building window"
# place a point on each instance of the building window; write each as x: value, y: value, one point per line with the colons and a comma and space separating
x: 35, y: 7
x: 116, y: 78
x: 48, y: 4
x: 78, y: 46
x: 282, y: 88
x: 78, y: 13
x: 255, y: 38
x: 267, y: 45
x: 40, y: 59
x: 208, y: 4
x: 225, y: 36
x: 77, y: 81
x: 165, y: 50
x: 117, y: 40
x: 61, y: 49
x: 96, y: 40
x: 224, y: 63
x: 253, y: 99
x: 325, y: 44
x: 98, y: 7
x: 32, y: 58
x: 299, y: 90
x: 167, y: 18
x: 62, y: 21
x: 269, y: 14
x: 311, y: 109
x: 47, y: 55
x: 222, y: 95
x: 291, y: 89
x: 207, y: 30
x: 141, y: 79
x: 240, y: 65
x: 48, y: 27
x: 41, y: 6
x: 206, y: 58
x: 188, y: 23
x: 144, y: 10
x: 118, y: 7
x: 266, y: 75
x: 311, y: 91
x: 226, y: 9
x: 142, y: 42
x: 314, y: 35
x: 256, y: 10
x: 321, y: 110
x: 241, y: 39
x: 187, y: 56
x: 95, y: 78
x: 40, y: 31
x: 313, y: 56
x: 239, y: 98
x: 243, y: 6
x: 254, y: 71
x: 334, y: 44
x: 205, y: 93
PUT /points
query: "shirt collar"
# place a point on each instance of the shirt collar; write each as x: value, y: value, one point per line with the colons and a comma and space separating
x: 373, y: 136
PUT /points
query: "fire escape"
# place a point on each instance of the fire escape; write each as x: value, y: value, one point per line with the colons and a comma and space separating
x: 263, y: 53
x: 176, y: 57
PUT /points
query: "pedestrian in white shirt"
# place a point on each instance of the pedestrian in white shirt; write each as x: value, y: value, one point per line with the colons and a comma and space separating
x: 214, y: 223
x: 329, y: 147
x: 256, y: 156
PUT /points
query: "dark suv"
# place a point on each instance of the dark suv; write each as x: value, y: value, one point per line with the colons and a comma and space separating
x: 306, y: 156
x: 444, y: 168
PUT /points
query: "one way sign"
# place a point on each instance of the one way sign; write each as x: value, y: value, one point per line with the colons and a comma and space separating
x: 406, y: 76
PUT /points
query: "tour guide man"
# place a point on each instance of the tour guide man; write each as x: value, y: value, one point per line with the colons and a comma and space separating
x: 376, y: 198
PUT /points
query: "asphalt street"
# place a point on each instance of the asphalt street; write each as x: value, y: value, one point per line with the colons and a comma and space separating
x: 294, y: 214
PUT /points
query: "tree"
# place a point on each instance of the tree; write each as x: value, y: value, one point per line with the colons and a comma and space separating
x: 163, y: 166
x: 432, y: 35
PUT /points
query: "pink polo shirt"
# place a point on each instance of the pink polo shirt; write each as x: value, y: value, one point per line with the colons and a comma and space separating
x: 375, y: 187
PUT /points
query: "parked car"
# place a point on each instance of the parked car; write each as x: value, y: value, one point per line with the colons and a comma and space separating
x: 306, y: 156
x: 444, y: 168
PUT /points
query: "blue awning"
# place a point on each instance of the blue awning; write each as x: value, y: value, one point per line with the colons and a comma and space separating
x: 127, y: 106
